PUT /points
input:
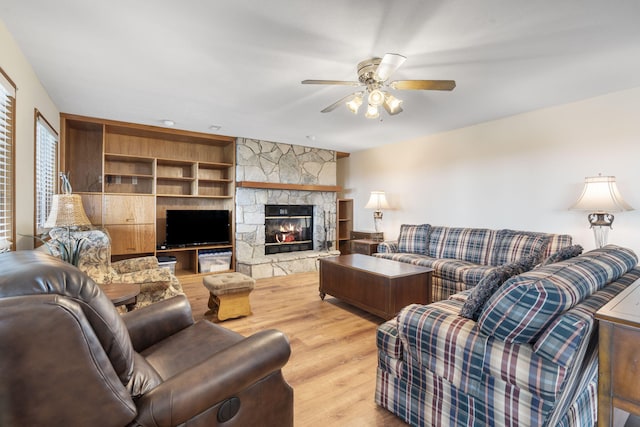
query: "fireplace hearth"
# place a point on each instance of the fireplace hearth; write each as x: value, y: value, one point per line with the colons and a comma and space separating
x: 288, y: 228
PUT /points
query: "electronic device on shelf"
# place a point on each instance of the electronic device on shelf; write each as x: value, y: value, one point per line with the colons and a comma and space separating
x: 187, y: 227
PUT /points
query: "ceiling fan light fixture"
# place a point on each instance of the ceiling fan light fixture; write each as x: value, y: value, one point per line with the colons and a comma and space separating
x: 372, y: 112
x: 355, y: 104
x: 392, y: 104
x: 376, y: 97
x: 373, y: 74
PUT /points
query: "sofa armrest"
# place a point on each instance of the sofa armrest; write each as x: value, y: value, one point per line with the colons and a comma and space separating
x: 224, y: 375
x: 153, y: 323
x: 151, y: 275
x: 390, y: 246
x: 135, y: 264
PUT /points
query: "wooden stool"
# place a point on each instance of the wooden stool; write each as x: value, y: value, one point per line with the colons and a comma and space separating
x: 229, y: 294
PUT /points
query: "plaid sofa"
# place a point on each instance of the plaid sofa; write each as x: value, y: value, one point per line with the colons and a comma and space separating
x: 529, y: 360
x: 461, y: 257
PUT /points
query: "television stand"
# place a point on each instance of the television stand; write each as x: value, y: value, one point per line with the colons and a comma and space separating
x: 187, y: 257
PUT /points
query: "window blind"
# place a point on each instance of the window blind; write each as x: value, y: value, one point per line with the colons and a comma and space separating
x: 7, y: 136
x: 46, y: 169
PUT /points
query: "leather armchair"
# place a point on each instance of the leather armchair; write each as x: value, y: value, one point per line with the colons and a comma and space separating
x: 69, y: 359
x: 156, y: 283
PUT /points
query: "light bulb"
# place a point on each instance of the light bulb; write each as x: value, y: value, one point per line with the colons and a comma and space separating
x: 372, y: 112
x: 392, y: 104
x: 376, y: 98
x: 354, y: 104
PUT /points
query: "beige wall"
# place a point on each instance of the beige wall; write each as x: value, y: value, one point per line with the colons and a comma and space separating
x: 521, y: 172
x: 30, y: 95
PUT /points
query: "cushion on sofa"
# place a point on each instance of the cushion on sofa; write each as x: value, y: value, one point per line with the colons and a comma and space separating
x: 466, y: 244
x: 563, y: 254
x: 413, y: 239
x: 557, y: 242
x: 481, y: 293
x: 387, y: 247
x: 472, y: 276
x: 526, y: 304
x: 511, y: 245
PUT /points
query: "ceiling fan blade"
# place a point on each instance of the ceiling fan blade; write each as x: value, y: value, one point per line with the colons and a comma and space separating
x: 330, y: 82
x: 389, y: 64
x: 423, y: 84
x: 340, y: 102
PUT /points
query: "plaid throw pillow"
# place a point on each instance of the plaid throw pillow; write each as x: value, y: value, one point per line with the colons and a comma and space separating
x: 413, y: 239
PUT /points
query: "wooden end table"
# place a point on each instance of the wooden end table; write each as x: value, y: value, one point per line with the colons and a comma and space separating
x: 380, y: 286
x: 364, y: 246
x: 618, y: 350
x: 122, y: 294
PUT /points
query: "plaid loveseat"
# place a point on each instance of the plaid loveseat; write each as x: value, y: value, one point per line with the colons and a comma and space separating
x: 461, y: 257
x: 529, y: 360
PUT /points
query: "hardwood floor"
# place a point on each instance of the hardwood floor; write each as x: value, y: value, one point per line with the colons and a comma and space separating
x: 333, y: 361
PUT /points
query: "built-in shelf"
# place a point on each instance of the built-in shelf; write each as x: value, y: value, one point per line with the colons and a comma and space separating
x: 345, y: 224
x: 130, y: 174
x: 281, y: 186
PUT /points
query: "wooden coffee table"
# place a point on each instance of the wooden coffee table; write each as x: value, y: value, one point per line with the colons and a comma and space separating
x: 379, y: 286
x: 122, y: 294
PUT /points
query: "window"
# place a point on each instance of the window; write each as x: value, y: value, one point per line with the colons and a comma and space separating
x: 7, y: 138
x: 46, y: 169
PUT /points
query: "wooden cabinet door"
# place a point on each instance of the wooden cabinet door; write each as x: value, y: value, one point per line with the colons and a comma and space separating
x: 130, y: 220
x: 132, y: 239
x: 129, y: 209
x: 92, y: 204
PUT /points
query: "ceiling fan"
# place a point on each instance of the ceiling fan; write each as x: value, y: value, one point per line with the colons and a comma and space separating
x: 373, y: 74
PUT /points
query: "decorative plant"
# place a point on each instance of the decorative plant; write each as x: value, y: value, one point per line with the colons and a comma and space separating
x: 67, y: 249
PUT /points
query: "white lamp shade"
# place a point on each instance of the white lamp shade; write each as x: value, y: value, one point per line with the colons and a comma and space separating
x: 377, y: 201
x: 601, y: 194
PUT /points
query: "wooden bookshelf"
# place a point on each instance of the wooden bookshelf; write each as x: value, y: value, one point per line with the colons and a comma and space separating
x: 130, y: 174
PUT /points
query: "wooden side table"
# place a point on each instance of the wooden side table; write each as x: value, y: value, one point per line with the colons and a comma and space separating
x: 122, y: 294
x: 364, y: 246
x: 618, y: 350
x: 377, y: 236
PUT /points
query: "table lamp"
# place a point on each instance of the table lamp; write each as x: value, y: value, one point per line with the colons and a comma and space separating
x: 66, y: 211
x: 377, y: 202
x: 600, y: 196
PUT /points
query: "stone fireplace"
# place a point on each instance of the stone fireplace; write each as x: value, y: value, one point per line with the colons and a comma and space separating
x: 272, y: 165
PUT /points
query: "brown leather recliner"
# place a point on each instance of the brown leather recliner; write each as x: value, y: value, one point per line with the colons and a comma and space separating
x: 67, y: 358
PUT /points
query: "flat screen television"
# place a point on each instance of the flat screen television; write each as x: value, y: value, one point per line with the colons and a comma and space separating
x: 197, y: 227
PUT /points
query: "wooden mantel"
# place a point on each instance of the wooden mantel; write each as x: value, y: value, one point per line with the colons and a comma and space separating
x: 281, y: 186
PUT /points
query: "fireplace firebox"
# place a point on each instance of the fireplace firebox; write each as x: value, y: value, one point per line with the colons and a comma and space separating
x: 288, y: 228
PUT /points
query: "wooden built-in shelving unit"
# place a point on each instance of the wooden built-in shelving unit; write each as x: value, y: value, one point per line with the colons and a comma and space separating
x: 344, y: 213
x: 130, y: 174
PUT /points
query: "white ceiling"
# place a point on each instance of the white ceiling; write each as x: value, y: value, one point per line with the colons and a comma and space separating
x: 238, y: 63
